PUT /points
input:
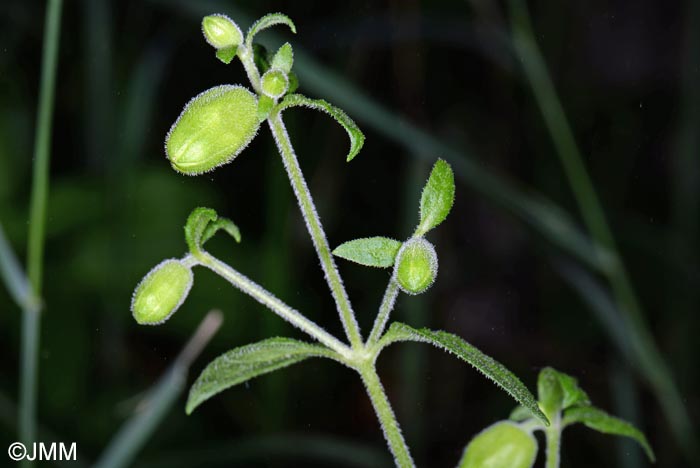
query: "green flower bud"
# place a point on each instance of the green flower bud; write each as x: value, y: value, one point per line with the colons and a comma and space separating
x: 161, y: 292
x: 213, y: 128
x: 275, y: 83
x: 221, y: 32
x: 502, y: 445
x: 416, y: 266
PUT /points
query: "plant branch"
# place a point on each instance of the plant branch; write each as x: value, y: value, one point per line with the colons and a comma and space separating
x: 248, y: 61
x: 553, y: 436
x: 31, y: 321
x: 267, y: 299
x: 387, y: 419
x: 388, y: 302
x: 313, y: 224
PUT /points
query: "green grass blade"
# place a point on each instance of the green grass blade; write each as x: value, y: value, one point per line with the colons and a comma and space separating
x: 133, y: 435
x: 15, y: 279
x: 647, y: 356
x: 31, y: 319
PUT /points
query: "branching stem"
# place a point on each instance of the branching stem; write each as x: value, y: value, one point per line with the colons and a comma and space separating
x: 392, y: 291
x: 313, y: 224
x: 269, y: 300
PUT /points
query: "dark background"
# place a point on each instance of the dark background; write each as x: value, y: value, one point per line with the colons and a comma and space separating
x: 626, y: 73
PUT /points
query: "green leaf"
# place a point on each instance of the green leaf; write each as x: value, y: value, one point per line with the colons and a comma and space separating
x: 265, y: 22
x: 284, y: 58
x: 463, y: 350
x: 265, y: 104
x: 520, y: 413
x: 437, y: 198
x: 197, y: 223
x: 501, y: 445
x: 261, y: 57
x: 221, y: 224
x: 370, y: 251
x: 202, y: 224
x: 242, y: 364
x: 549, y: 392
x: 357, y: 138
x: 226, y: 54
x: 601, y: 421
x: 573, y: 394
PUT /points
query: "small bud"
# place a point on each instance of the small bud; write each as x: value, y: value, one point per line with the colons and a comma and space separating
x: 221, y: 32
x: 502, y: 445
x: 275, y: 83
x: 213, y: 128
x: 416, y: 266
x: 161, y: 292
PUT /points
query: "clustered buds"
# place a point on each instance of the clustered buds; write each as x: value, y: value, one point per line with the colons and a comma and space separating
x: 416, y: 266
x: 213, y: 129
x: 161, y: 292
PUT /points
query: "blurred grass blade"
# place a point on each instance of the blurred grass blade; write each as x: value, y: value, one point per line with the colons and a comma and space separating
x: 542, y: 215
x: 135, y: 432
x: 648, y: 358
x: 15, y: 280
x: 31, y: 317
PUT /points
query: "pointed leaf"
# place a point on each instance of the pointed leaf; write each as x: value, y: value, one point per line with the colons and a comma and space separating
x: 370, y: 251
x: 463, y: 350
x: 197, y: 223
x: 221, y: 224
x: 265, y: 22
x: 549, y: 392
x: 357, y: 138
x: 284, y: 58
x: 573, y: 394
x: 226, y: 54
x: 437, y: 197
x: 601, y: 421
x: 244, y: 363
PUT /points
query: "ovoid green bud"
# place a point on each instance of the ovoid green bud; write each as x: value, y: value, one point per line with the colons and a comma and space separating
x: 221, y: 32
x: 161, y: 292
x: 416, y: 266
x: 502, y: 445
x: 213, y: 128
x: 275, y: 83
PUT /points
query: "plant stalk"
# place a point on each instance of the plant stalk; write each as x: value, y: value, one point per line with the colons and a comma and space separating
x: 553, y: 435
x: 31, y: 322
x: 269, y: 300
x: 388, y: 302
x: 313, y: 224
x: 387, y: 419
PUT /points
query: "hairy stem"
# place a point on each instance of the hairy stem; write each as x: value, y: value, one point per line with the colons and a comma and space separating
x: 553, y: 435
x: 392, y: 291
x: 313, y: 224
x: 387, y: 419
x: 31, y: 322
x: 248, y: 61
x: 269, y: 300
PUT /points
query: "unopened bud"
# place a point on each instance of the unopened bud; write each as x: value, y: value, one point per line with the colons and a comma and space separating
x: 221, y: 32
x: 416, y: 266
x: 502, y: 445
x: 161, y: 292
x: 275, y: 83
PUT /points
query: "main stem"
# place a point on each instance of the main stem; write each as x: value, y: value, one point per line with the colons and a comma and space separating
x: 553, y: 435
x: 313, y: 224
x: 390, y: 426
x: 37, y: 223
